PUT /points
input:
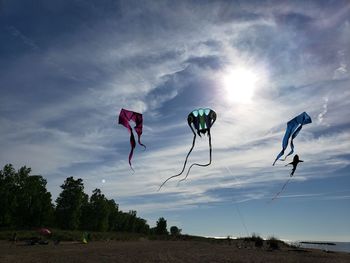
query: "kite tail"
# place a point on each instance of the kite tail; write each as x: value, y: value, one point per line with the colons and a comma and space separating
x: 284, y: 144
x: 197, y: 164
x: 284, y: 186
x: 293, y: 171
x: 291, y: 142
x: 133, y: 144
x: 139, y: 141
x: 278, y: 156
x: 183, y: 168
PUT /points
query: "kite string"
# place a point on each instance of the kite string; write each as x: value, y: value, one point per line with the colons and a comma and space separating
x: 236, y: 204
x: 283, y: 187
x: 183, y: 168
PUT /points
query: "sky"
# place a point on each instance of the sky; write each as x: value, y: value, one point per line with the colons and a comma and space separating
x: 68, y: 67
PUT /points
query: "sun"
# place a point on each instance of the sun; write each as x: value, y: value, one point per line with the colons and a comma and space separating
x: 240, y: 84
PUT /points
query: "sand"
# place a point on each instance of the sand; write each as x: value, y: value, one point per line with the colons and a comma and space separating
x: 160, y: 251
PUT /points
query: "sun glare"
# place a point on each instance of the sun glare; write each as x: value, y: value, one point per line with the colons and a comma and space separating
x: 239, y: 85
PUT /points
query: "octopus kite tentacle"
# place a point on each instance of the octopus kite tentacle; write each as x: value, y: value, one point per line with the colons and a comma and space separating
x: 198, y: 164
x: 188, y: 154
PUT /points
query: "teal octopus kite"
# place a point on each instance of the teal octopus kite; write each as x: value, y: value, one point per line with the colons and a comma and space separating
x: 200, y: 120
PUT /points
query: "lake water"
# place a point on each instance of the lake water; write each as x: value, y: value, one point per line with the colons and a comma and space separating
x: 339, y: 246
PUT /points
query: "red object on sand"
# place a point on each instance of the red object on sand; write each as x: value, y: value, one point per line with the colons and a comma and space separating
x: 44, y: 231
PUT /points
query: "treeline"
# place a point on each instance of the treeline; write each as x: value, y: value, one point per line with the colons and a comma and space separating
x: 26, y: 203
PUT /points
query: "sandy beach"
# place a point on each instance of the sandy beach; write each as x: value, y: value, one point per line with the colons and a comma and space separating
x: 160, y: 251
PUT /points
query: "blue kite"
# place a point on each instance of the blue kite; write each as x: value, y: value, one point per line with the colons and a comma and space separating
x: 293, y: 128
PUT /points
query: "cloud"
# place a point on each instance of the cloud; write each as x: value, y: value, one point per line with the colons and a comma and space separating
x: 26, y: 40
x: 341, y: 71
x: 323, y: 113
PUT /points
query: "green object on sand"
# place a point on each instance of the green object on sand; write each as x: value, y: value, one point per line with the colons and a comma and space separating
x: 85, y: 238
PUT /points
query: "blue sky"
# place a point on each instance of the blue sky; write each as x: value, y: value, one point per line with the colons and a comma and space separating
x: 68, y: 67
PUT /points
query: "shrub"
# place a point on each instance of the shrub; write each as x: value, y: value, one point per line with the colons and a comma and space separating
x: 175, y: 231
x: 273, y: 243
x: 258, y: 241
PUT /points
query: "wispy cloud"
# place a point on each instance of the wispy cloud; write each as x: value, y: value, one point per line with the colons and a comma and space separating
x: 59, y: 113
x: 26, y: 40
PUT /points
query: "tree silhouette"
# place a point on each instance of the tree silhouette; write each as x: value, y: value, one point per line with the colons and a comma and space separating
x: 175, y: 231
x: 161, y: 228
x: 100, y: 208
x: 24, y: 200
x: 69, y: 204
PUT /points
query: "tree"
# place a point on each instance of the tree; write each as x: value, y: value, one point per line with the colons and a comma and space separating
x: 34, y: 207
x: 7, y: 195
x: 86, y: 212
x: 113, y: 215
x: 141, y: 226
x: 175, y: 231
x: 24, y: 200
x: 99, y: 206
x: 69, y: 204
x: 161, y: 228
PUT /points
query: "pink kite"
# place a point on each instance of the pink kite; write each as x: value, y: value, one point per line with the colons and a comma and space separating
x: 124, y: 117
